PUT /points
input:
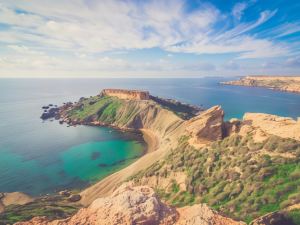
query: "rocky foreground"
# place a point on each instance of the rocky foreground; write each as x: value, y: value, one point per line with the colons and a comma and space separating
x: 138, y: 205
x: 281, y: 83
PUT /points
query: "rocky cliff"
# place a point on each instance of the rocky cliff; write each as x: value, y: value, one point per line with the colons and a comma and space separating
x: 137, y: 205
x: 282, y: 83
x: 126, y: 94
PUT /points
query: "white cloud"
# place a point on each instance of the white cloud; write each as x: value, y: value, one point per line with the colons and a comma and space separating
x: 94, y: 26
x: 64, y: 35
x: 238, y: 10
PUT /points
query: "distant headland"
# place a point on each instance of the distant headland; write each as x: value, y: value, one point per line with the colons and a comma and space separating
x: 281, y: 83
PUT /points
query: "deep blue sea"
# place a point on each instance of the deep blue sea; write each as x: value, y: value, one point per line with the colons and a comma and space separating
x: 39, y: 157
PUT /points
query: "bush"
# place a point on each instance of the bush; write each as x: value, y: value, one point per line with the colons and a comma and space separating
x: 295, y: 175
x: 271, y: 143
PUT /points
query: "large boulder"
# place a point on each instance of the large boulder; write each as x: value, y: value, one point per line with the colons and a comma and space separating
x: 140, y: 205
x: 201, y: 214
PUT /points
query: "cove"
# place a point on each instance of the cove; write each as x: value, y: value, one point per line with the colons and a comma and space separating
x: 74, y: 164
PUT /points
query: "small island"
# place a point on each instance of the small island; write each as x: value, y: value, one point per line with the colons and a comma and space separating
x: 281, y: 83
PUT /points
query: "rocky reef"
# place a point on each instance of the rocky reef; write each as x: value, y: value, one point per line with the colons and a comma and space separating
x: 281, y: 83
x: 13, y: 198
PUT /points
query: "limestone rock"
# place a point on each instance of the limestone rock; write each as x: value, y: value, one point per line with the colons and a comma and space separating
x: 13, y: 198
x: 208, y: 125
x: 201, y: 214
x: 126, y: 94
x: 74, y: 198
x: 140, y: 205
x: 284, y: 127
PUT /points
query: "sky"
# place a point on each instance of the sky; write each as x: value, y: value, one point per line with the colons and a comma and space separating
x: 149, y: 38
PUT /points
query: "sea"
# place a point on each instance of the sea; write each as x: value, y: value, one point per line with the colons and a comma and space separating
x: 39, y: 157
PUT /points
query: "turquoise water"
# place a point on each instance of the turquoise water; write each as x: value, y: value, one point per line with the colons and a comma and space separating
x: 40, y: 157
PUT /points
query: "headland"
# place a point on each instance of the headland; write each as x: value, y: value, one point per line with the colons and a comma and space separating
x: 281, y: 83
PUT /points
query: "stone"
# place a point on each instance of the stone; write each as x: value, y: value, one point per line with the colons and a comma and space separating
x: 74, y: 198
x: 65, y: 193
x: 138, y: 205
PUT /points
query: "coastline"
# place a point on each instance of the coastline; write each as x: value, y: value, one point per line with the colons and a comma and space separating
x: 290, y: 84
x: 106, y: 186
x: 260, y: 86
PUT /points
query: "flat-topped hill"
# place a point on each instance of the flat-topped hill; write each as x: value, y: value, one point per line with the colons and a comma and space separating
x: 281, y: 83
x: 126, y: 94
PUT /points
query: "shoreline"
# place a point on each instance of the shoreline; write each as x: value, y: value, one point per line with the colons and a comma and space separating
x: 263, y: 87
x: 290, y: 84
x: 151, y: 141
x: 106, y: 186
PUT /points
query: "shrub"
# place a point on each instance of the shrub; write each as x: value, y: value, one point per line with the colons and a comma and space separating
x: 295, y: 175
x: 271, y: 143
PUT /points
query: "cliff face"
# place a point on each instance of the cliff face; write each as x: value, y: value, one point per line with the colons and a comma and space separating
x: 126, y: 94
x: 208, y: 126
x: 282, y: 83
x: 138, y: 205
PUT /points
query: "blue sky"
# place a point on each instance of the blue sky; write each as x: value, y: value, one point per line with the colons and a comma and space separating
x: 158, y: 38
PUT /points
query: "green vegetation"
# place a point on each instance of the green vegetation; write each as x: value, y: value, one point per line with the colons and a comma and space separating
x: 294, y: 215
x: 53, y: 208
x: 101, y: 108
x: 233, y: 175
x: 182, y: 110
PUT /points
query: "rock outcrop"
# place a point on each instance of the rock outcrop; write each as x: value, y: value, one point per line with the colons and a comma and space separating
x: 208, y: 126
x: 138, y: 205
x: 263, y: 124
x: 201, y: 214
x: 274, y: 218
x: 126, y: 94
x: 281, y: 83
x: 13, y: 198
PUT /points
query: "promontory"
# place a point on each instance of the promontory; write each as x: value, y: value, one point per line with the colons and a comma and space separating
x: 281, y: 83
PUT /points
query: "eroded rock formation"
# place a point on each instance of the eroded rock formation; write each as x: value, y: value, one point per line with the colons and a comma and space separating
x: 13, y: 198
x: 138, y: 205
